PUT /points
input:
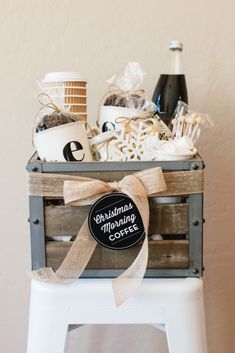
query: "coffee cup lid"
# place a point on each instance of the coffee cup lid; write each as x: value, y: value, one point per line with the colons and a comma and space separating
x: 64, y: 76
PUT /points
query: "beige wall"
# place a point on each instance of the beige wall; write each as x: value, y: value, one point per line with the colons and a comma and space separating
x: 97, y: 38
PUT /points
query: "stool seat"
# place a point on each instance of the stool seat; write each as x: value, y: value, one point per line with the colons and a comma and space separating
x: 175, y: 303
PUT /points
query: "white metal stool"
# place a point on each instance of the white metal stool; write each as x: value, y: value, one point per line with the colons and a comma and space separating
x: 175, y: 303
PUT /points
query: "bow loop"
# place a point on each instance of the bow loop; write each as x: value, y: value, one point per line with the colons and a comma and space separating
x: 78, y: 193
x: 86, y: 191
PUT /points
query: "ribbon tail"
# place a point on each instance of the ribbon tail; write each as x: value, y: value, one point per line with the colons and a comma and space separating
x: 129, y: 281
x: 74, y: 263
x: 47, y: 274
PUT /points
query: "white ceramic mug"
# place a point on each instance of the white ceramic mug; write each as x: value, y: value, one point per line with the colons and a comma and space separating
x: 109, y: 114
x: 68, y: 142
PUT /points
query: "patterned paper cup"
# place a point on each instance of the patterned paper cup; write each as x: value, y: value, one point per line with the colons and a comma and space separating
x: 77, y: 108
x: 61, y: 88
x: 75, y: 99
x: 76, y: 83
x: 67, y: 89
x: 78, y: 91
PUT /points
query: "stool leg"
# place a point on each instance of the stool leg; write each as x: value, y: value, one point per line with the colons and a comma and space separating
x: 66, y: 349
x: 185, y: 328
x: 46, y: 333
x: 47, y: 337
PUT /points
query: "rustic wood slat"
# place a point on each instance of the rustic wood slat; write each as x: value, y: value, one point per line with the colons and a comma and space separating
x: 184, y: 183
x: 164, y: 219
x: 162, y: 254
x: 168, y: 219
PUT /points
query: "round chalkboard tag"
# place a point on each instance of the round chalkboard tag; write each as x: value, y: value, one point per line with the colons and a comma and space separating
x: 115, y: 222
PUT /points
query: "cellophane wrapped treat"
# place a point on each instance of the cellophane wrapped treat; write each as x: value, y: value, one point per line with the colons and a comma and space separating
x: 189, y: 124
x: 50, y: 115
x: 125, y: 89
x: 125, y: 98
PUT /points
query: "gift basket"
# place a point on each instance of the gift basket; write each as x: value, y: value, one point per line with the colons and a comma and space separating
x: 124, y: 198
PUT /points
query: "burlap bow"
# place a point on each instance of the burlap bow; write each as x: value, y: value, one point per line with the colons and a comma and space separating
x: 84, y: 191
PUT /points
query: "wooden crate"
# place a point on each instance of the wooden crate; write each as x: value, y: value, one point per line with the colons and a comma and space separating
x: 178, y: 254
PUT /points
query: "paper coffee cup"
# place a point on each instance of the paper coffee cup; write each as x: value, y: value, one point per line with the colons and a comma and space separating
x: 75, y: 83
x: 68, y: 142
x: 77, y: 108
x: 68, y: 89
x: 73, y: 99
x: 60, y: 89
x: 75, y: 91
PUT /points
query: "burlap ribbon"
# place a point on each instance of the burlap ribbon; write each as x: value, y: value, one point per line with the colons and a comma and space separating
x: 79, y: 191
